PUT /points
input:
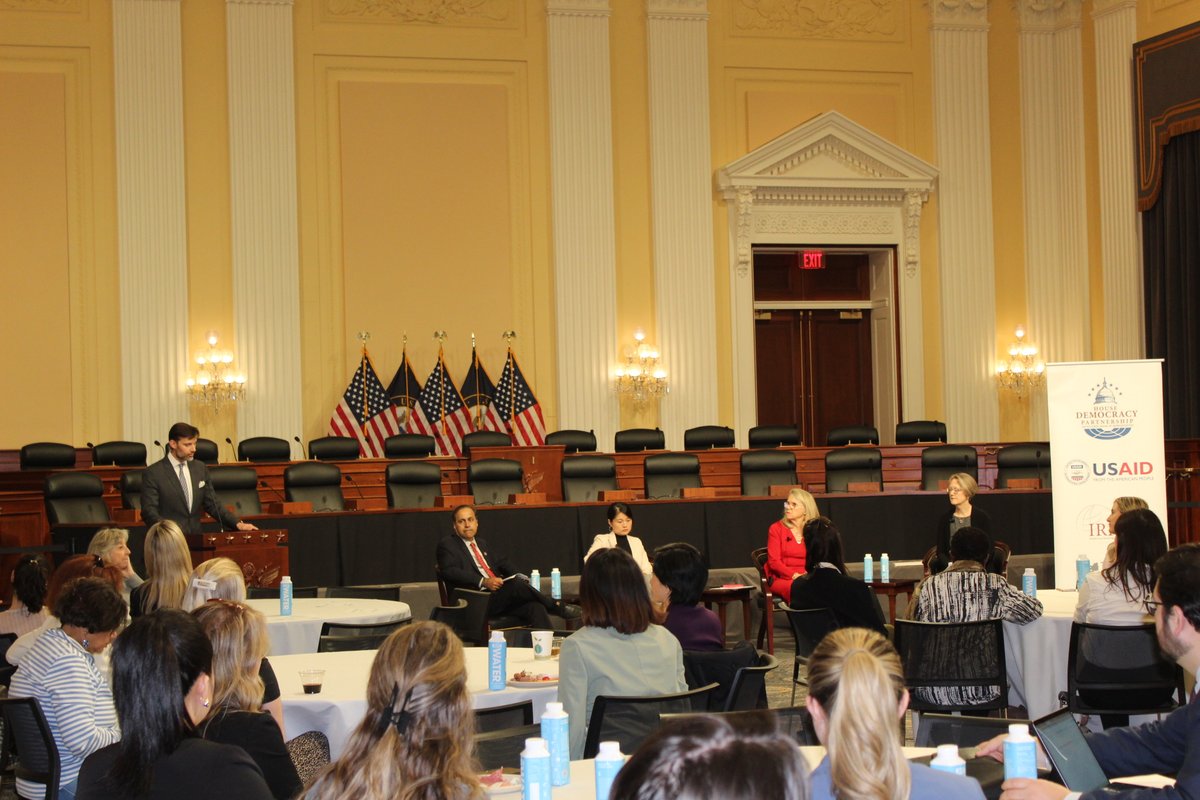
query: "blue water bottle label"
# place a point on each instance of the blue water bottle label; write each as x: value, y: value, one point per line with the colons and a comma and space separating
x: 496, y: 665
x: 285, y: 599
x: 535, y: 579
x: 885, y: 569
x: 606, y: 773
x: 556, y: 585
x: 1020, y: 760
x: 868, y: 569
x: 1029, y: 585
x: 1082, y: 568
x: 535, y: 778
x: 554, y: 731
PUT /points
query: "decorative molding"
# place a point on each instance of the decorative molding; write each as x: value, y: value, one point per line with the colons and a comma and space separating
x: 48, y: 6
x: 1101, y: 8
x: 839, y: 151
x: 677, y: 10
x: 744, y: 211
x: 1048, y: 16
x: 584, y: 8
x: 824, y: 223
x: 260, y: 2
x: 872, y: 20
x: 913, y: 201
x: 959, y: 15
x: 429, y: 12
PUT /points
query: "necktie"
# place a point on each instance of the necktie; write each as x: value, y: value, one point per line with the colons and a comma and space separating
x: 479, y: 560
x: 183, y: 484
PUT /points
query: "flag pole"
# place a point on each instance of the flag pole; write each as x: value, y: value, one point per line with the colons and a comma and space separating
x: 407, y: 390
x: 363, y: 336
x: 475, y: 368
x: 512, y: 381
x: 441, y: 338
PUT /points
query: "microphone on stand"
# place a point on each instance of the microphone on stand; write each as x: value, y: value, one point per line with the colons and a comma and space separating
x: 272, y: 490
x: 303, y: 452
x: 232, y: 449
x: 354, y: 483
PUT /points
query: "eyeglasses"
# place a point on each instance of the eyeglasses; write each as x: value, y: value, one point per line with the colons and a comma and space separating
x: 1152, y: 606
x: 954, y: 490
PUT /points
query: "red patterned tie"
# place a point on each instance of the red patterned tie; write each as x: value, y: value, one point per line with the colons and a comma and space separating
x: 479, y: 561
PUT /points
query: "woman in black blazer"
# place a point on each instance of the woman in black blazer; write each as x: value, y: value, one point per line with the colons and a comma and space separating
x: 961, y: 489
x: 825, y: 584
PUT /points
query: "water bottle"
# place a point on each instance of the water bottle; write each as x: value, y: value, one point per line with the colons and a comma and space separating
x: 497, y: 657
x: 608, y: 763
x: 285, y: 596
x: 868, y: 568
x: 535, y: 770
x: 885, y: 568
x: 535, y: 579
x: 1082, y: 567
x: 556, y: 584
x: 1029, y: 582
x: 554, y: 731
x: 1020, y: 753
x: 948, y: 760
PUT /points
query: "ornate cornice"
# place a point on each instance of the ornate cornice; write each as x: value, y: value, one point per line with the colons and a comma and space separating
x: 837, y: 148
x: 1101, y: 8
x: 960, y: 15
x: 1047, y: 16
x: 578, y: 8
x: 51, y: 6
x: 863, y: 20
x: 685, y: 10
x: 260, y: 2
x: 434, y: 12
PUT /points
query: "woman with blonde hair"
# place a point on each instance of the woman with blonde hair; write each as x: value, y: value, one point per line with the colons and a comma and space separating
x: 961, y: 490
x: 112, y: 545
x: 856, y: 696
x: 168, y: 567
x: 786, y: 556
x: 415, y: 741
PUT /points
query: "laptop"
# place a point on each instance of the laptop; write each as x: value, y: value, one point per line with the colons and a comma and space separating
x: 1068, y: 751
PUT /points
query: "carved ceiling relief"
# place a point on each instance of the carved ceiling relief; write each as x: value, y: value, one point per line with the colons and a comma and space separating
x: 435, y: 12
x: 837, y: 149
x: 821, y: 19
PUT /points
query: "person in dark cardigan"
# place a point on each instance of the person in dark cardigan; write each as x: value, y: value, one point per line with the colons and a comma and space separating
x: 961, y: 489
x: 676, y: 584
x: 826, y: 584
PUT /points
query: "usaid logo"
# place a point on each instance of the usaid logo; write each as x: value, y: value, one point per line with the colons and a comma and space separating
x: 1105, y: 419
x: 1077, y: 472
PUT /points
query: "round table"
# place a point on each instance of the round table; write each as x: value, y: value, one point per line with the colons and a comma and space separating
x: 1035, y: 654
x: 300, y: 632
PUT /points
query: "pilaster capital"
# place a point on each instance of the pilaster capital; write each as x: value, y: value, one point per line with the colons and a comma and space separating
x: 578, y: 8
x: 679, y: 10
x: 1047, y: 16
x: 961, y: 15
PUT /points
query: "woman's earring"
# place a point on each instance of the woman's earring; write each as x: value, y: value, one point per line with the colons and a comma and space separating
x: 206, y: 702
x: 84, y: 643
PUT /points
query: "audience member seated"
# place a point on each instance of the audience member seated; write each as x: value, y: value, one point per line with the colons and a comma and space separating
x: 786, y: 557
x: 679, y: 578
x: 619, y: 651
x: 826, y: 584
x: 1119, y: 507
x: 620, y: 528
x: 28, y: 610
x: 112, y: 545
x: 168, y: 570
x: 961, y: 488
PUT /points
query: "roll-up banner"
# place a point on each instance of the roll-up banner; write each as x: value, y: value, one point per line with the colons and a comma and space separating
x: 1106, y: 441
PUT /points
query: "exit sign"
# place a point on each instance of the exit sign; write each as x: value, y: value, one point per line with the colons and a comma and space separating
x: 812, y: 259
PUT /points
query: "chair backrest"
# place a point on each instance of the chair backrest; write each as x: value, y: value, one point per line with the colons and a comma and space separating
x: 484, y: 439
x: 1124, y: 667
x: 492, y: 480
x: 706, y: 437
x: 272, y: 592
x: 940, y: 462
x: 749, y: 689
x: 759, y: 556
x: 852, y: 434
x: 761, y: 436
x: 1024, y: 461
x: 853, y: 465
x: 409, y: 445
x: 339, y: 637
x: 264, y: 448
x: 792, y: 721
x: 763, y: 469
x: 47, y: 455
x: 39, y: 761
x: 632, y: 440
x: 119, y: 454
x: 584, y: 477
x: 964, y: 731
x: 920, y: 430
x: 333, y: 448
x: 574, y: 441
x: 667, y: 474
x: 502, y: 748
x: 629, y: 720
x: 809, y: 627
x: 391, y: 592
x: 953, y: 655
x: 207, y: 451
x: 496, y: 718
x: 467, y: 617
x: 702, y: 667
x: 413, y: 484
x: 1001, y: 553
x: 131, y: 489
x: 237, y: 487
x: 316, y: 483
x: 73, y: 497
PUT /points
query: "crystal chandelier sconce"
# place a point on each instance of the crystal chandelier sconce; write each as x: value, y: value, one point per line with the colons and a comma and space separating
x: 214, y: 381
x: 640, y: 378
x: 1024, y: 371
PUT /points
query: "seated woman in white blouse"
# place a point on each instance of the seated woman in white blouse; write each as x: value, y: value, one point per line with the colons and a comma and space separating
x: 620, y: 523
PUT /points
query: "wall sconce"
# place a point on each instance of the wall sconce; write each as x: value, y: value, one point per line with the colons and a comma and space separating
x: 1024, y: 371
x: 640, y: 378
x: 215, y: 382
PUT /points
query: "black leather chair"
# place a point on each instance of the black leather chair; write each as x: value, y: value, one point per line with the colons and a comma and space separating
x: 629, y: 720
x: 131, y: 489
x: 667, y: 474
x: 809, y: 627
x: 1024, y: 461
x: 264, y: 448
x: 317, y: 483
x: 573, y: 440
x: 74, y: 497
x: 584, y: 477
x: 762, y: 469
x: 852, y: 434
x: 1116, y: 670
x: 47, y: 455
x: 409, y: 445
x: 466, y: 616
x: 853, y: 465
x: 333, y: 448
x: 501, y: 748
x: 953, y: 655
x: 237, y: 487
x: 39, y: 760
x: 940, y: 462
x: 920, y: 430
x: 773, y: 436
x: 707, y: 437
x: 492, y: 480
x: 339, y: 637
x: 498, y: 718
x: 633, y: 440
x: 702, y: 667
x: 207, y: 451
x: 119, y: 454
x: 749, y: 688
x: 484, y: 439
x: 413, y: 484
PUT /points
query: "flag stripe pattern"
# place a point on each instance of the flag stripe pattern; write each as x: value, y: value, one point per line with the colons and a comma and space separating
x: 478, y: 393
x: 365, y: 413
x: 516, y: 405
x: 438, y: 398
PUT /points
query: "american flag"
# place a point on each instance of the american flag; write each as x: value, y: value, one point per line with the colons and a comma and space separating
x: 440, y: 412
x: 365, y: 413
x: 477, y: 392
x: 515, y: 404
x: 403, y: 391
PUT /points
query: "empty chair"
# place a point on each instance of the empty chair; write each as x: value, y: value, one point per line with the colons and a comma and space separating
x: 131, y: 489
x: 774, y: 436
x: 316, y: 483
x: 39, y: 760
x: 333, y: 448
x: 629, y: 720
x: 1023, y: 461
x: 119, y: 454
x: 386, y: 592
x: 702, y: 667
x: 493, y: 480
x: 939, y: 463
x: 496, y: 749
x: 707, y: 437
x: 668, y: 474
x: 749, y: 688
x: 920, y: 430
x: 47, y: 455
x: 853, y: 465
x: 852, y: 434
x: 484, y: 439
x: 584, y: 477
x: 574, y: 441
x: 207, y: 451
x: 73, y: 497
x: 264, y: 448
x: 633, y: 440
x: 1115, y: 671
x: 409, y: 445
x: 513, y: 715
x: 809, y: 627
x: 413, y: 484
x: 337, y: 637
x: 763, y: 469
x: 943, y: 660
x: 237, y: 487
x: 769, y: 602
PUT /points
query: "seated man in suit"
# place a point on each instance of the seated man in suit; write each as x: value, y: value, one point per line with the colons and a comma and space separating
x: 466, y: 563
x: 179, y: 489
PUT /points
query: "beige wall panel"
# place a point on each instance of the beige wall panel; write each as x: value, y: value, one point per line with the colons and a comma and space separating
x: 881, y: 103
x: 1160, y: 16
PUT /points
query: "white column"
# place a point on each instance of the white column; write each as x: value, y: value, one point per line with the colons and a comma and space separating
x: 151, y: 227
x: 968, y: 272
x: 585, y: 257
x: 1056, y: 276
x: 681, y: 206
x: 1115, y: 23
x: 262, y: 157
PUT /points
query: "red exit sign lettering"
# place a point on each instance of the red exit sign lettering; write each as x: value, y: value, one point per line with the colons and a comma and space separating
x: 812, y: 259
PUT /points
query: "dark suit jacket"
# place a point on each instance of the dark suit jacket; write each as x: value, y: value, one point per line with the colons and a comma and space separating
x: 458, y: 567
x: 1168, y: 746
x: 162, y: 497
x: 850, y: 600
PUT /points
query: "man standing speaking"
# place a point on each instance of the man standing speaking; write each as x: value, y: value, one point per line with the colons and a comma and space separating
x: 178, y: 488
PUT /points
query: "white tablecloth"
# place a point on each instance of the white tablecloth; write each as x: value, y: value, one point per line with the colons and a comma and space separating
x: 300, y: 632
x: 341, y: 705
x: 1036, y: 654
